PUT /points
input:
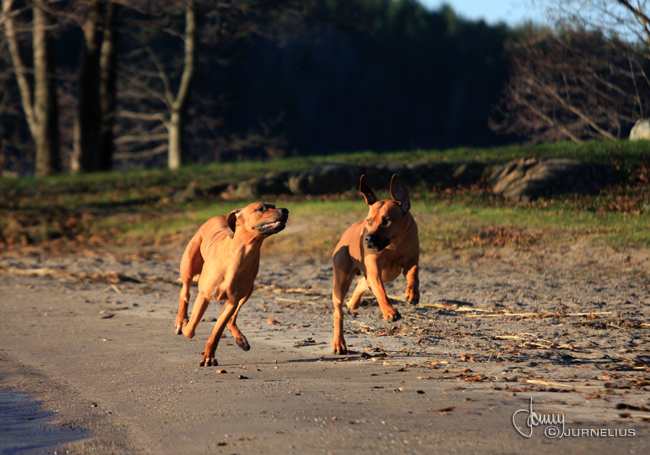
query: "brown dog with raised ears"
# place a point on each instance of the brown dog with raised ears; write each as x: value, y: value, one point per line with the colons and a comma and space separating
x: 225, y: 252
x: 379, y: 248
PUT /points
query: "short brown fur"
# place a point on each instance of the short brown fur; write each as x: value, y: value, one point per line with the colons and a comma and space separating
x: 379, y: 248
x: 225, y: 252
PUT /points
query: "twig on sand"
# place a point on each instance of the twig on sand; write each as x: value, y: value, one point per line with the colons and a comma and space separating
x: 288, y: 300
x: 532, y: 315
x: 629, y: 359
x: 560, y: 384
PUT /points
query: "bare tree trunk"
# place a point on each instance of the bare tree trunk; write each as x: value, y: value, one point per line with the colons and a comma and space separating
x: 85, y: 154
x: 45, y: 97
x: 175, y: 129
x: 179, y: 106
x: 107, y: 87
x: 24, y: 85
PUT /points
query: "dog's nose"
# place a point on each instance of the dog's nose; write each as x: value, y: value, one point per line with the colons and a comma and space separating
x: 370, y: 239
x: 284, y: 213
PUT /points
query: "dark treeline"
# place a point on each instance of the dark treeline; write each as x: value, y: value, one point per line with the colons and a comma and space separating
x: 269, y: 79
x: 411, y: 79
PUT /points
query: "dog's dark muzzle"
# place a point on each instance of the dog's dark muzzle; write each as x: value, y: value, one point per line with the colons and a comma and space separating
x: 376, y: 243
x: 273, y: 227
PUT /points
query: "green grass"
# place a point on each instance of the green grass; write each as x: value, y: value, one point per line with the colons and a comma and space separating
x: 141, y: 207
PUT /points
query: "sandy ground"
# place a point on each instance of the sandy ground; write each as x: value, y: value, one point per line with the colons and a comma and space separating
x: 91, y: 338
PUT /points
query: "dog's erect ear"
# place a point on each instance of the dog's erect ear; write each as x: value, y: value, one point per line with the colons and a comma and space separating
x: 399, y: 193
x: 231, y: 221
x: 366, y: 191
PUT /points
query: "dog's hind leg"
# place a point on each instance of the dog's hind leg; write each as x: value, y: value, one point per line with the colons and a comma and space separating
x: 226, y: 313
x: 355, y: 300
x: 200, y: 305
x: 412, y: 285
x: 191, y: 264
x: 241, y: 340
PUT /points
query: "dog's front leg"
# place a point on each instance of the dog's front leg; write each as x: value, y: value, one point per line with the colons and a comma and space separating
x: 412, y: 284
x: 228, y: 309
x: 342, y: 280
x: 373, y: 278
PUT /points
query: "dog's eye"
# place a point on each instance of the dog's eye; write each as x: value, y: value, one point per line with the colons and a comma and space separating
x: 385, y: 221
x: 261, y: 209
x: 369, y: 221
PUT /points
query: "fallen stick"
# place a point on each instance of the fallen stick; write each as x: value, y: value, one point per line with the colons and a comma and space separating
x: 543, y: 315
x: 288, y: 300
x: 495, y: 315
x: 109, y: 276
x: 560, y: 384
x: 540, y: 344
x: 629, y: 359
x: 451, y: 306
x: 439, y: 305
x: 587, y: 314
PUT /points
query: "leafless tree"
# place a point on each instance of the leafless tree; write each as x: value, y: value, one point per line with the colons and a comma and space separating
x: 155, y: 89
x: 629, y: 20
x: 38, y: 98
x: 573, y: 85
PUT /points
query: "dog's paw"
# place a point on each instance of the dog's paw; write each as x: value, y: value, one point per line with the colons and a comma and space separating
x: 393, y: 317
x: 208, y: 362
x: 413, y: 301
x: 353, y: 305
x: 339, y: 348
x: 243, y: 343
x: 180, y: 326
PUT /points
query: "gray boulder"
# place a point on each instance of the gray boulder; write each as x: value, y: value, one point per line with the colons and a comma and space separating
x: 326, y: 178
x: 272, y: 184
x: 528, y: 179
x: 379, y: 175
x: 443, y: 174
x: 468, y: 172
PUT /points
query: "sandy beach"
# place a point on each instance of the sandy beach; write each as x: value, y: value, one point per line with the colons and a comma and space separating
x: 90, y: 337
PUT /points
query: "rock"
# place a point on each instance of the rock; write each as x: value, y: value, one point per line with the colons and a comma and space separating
x: 326, y: 178
x: 640, y: 130
x: 445, y: 174
x: 468, y: 173
x: 188, y: 194
x: 378, y: 176
x: 273, y: 183
x: 436, y: 174
x: 528, y: 179
x: 192, y: 192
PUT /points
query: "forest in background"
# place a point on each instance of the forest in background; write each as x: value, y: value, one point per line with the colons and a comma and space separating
x: 270, y: 79
x: 95, y: 85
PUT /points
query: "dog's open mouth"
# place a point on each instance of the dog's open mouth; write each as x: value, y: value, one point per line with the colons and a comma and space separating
x: 272, y: 227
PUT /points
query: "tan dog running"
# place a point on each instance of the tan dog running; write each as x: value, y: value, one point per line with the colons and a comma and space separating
x: 226, y: 253
x: 379, y: 248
